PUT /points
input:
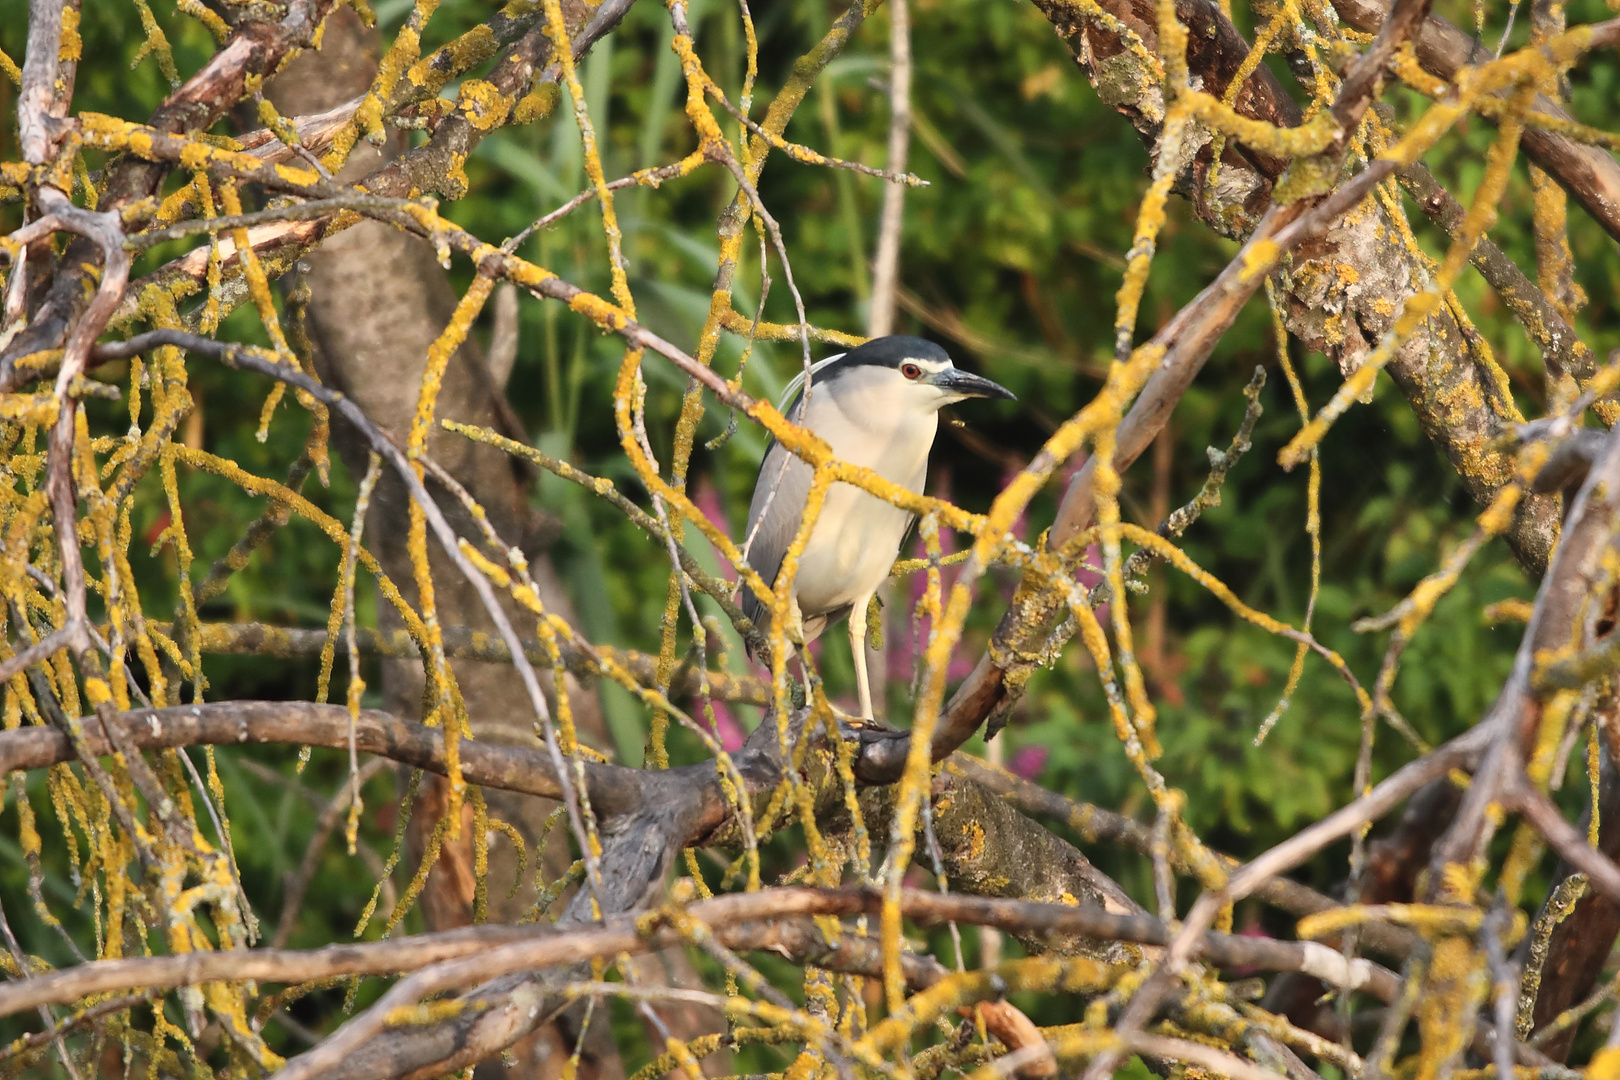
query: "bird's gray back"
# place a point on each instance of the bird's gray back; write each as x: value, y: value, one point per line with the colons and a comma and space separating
x: 780, y: 493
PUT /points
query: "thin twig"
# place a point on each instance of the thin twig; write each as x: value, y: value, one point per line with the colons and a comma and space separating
x: 298, y: 882
x: 60, y: 638
x: 1504, y: 986
x: 1601, y: 871
x: 886, y: 261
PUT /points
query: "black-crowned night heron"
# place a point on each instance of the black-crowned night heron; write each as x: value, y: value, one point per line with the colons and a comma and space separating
x: 878, y: 406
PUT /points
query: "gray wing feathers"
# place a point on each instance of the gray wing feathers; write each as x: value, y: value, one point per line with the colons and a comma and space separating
x: 777, y: 508
x: 790, y: 395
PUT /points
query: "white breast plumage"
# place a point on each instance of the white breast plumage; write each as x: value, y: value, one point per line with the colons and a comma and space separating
x: 857, y: 536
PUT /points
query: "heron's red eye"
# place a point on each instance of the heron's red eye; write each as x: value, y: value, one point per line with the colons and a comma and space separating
x: 910, y: 371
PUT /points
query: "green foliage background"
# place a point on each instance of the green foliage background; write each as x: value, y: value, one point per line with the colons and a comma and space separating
x: 1018, y: 240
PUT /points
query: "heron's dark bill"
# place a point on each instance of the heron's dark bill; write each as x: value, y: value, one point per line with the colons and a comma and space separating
x: 970, y: 385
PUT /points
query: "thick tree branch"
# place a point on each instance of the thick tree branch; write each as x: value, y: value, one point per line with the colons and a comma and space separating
x: 38, y: 89
x: 614, y: 790
x: 740, y: 921
x: 1561, y: 349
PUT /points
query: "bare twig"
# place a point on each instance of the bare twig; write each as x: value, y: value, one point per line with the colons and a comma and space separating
x: 57, y: 639
x: 1539, y: 810
x: 1504, y: 987
x: 886, y: 262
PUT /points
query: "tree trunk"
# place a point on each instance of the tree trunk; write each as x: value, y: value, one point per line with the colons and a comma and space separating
x: 378, y: 300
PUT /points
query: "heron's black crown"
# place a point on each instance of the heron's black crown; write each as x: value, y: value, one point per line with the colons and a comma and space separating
x: 889, y: 352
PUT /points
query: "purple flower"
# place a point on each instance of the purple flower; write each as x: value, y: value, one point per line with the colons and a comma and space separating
x: 732, y: 736
x: 1028, y: 761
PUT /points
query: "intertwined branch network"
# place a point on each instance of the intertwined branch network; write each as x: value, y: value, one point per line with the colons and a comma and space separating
x: 142, y: 260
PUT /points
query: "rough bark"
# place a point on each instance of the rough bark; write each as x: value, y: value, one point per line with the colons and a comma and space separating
x: 987, y: 848
x: 372, y: 332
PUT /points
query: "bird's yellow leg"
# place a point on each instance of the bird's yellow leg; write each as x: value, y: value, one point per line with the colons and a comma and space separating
x: 857, y: 649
